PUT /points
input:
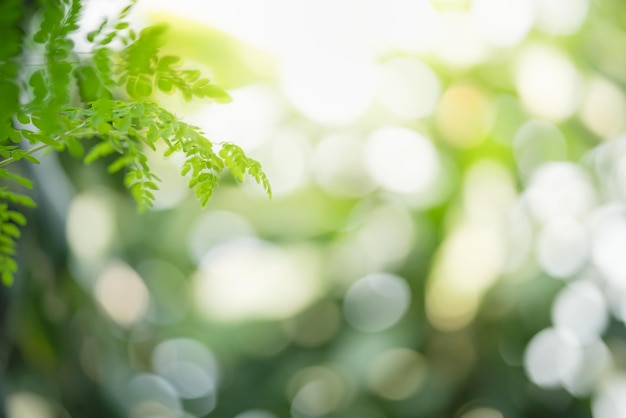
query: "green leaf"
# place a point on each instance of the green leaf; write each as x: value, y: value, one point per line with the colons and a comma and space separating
x: 23, y: 119
x: 121, y: 162
x: 123, y: 123
x: 26, y: 201
x: 143, y: 87
x: 15, y: 136
x: 166, y: 62
x: 191, y: 75
x: 99, y: 150
x: 35, y: 138
x: 104, y: 128
x: 17, y: 217
x: 11, y: 230
x: 139, y: 86
x: 198, y: 85
x: 216, y: 94
x: 90, y: 86
x: 150, y: 185
x: 7, y: 278
x: 131, y: 86
x: 38, y: 83
x: 165, y: 85
x: 74, y: 146
x: 19, y: 199
x: 17, y: 178
x: 185, y: 169
x: 92, y: 35
x: 30, y: 159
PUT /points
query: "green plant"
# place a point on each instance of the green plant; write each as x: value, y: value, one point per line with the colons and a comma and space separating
x: 73, y: 104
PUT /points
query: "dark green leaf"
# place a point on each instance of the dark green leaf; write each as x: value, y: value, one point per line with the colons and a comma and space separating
x: 17, y: 217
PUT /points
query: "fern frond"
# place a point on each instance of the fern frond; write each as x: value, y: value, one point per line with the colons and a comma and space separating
x: 122, y: 128
x: 10, y: 223
x: 10, y: 48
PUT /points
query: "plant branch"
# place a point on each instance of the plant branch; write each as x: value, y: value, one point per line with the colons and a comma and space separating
x: 30, y: 151
x: 40, y: 147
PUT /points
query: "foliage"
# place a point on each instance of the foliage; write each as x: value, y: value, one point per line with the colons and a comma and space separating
x: 71, y: 101
x: 190, y: 313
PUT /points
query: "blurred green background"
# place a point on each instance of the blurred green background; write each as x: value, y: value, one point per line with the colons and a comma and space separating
x: 447, y: 236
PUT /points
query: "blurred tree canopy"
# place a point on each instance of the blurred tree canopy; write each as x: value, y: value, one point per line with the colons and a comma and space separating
x: 445, y: 237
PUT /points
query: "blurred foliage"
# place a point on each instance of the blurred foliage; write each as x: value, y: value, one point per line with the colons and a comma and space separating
x: 449, y: 250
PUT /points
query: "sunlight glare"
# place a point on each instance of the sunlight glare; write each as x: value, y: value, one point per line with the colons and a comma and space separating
x: 464, y: 116
x: 596, y: 364
x: 248, y: 278
x: 408, y: 87
x: 550, y: 356
x: 503, y: 23
x: 609, y: 401
x: 548, y: 82
x: 560, y: 190
x: 604, y: 108
x: 562, y: 247
x: 580, y: 309
x: 402, y: 160
x: 561, y: 17
x: 122, y: 294
x: 467, y: 264
x: 329, y: 88
x: 460, y: 44
x: 407, y: 25
x: 608, y: 240
x: 90, y: 225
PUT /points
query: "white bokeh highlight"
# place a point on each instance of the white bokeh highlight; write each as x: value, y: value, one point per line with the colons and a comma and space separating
x: 249, y: 278
x: 562, y: 247
x: 503, y: 23
x: 188, y: 366
x: 550, y: 356
x: 547, y: 82
x: 560, y: 17
x: 376, y: 302
x: 330, y: 88
x: 408, y: 88
x: 580, y: 310
x: 560, y: 190
x: 402, y: 160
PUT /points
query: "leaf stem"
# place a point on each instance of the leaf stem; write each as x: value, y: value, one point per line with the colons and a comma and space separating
x: 30, y: 151
x: 39, y: 147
